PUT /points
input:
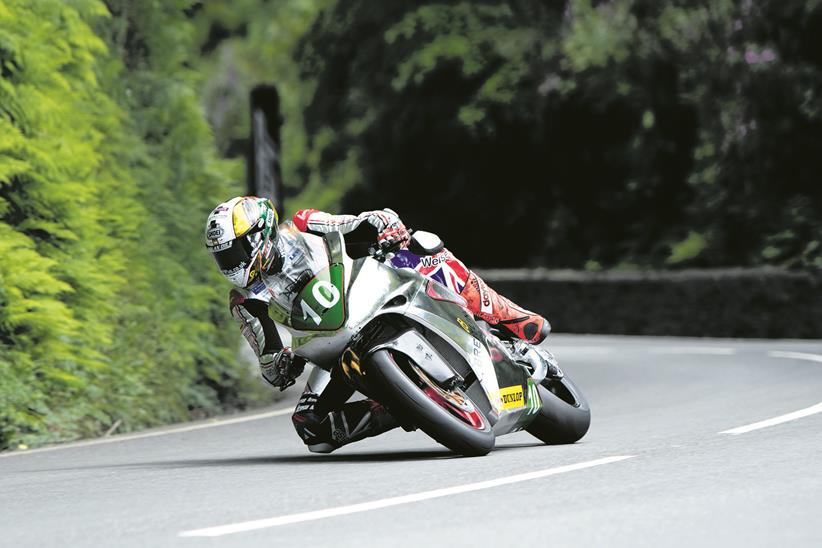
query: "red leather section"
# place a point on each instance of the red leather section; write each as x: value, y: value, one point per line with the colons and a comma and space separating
x: 488, y: 305
x: 300, y: 219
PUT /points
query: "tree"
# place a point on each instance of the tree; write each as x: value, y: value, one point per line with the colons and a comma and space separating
x: 574, y: 133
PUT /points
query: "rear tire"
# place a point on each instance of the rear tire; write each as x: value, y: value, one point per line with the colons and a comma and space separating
x: 565, y: 415
x: 406, y: 401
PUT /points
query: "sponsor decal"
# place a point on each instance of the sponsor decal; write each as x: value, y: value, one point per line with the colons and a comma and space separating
x: 214, y: 231
x: 293, y: 255
x: 484, y: 298
x: 235, y: 270
x: 513, y: 397
x: 435, y: 260
x: 258, y: 287
x: 351, y: 362
x: 477, y: 346
x: 303, y: 407
x: 464, y: 325
x: 219, y: 247
x: 339, y: 435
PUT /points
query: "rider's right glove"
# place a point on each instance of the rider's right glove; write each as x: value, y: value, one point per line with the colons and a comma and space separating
x: 282, y: 368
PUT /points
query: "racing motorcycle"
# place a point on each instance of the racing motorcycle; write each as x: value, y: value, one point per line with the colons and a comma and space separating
x: 411, y: 344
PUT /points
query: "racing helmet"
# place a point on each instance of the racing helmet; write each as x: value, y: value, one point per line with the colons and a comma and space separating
x: 241, y: 234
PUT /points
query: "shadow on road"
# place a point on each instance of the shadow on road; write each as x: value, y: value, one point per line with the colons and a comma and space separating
x: 306, y: 459
x: 310, y: 458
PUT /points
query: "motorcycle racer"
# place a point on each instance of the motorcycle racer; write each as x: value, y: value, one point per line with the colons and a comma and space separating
x: 265, y: 263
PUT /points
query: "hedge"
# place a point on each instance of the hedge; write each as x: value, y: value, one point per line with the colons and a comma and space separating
x: 765, y: 302
x: 111, y: 312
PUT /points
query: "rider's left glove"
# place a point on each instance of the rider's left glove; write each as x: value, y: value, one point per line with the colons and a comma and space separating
x: 389, y: 226
x: 397, y: 234
x: 282, y: 368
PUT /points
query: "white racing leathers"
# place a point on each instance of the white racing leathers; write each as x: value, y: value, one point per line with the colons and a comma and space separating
x: 322, y: 417
x: 320, y: 222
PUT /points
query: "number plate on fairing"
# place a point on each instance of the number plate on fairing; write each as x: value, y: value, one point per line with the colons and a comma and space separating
x: 320, y: 306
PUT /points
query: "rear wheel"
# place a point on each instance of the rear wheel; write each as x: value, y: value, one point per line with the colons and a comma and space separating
x: 448, y: 416
x: 564, y: 416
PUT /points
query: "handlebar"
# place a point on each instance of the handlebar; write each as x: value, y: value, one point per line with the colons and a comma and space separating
x: 381, y: 250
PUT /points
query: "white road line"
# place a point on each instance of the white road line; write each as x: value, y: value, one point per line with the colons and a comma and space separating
x: 776, y: 420
x: 140, y: 435
x: 711, y: 350
x: 796, y: 355
x: 393, y: 501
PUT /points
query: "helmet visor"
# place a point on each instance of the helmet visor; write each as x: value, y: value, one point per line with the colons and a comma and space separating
x: 236, y: 257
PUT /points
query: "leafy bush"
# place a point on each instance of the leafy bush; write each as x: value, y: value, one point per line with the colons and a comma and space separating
x: 109, y: 307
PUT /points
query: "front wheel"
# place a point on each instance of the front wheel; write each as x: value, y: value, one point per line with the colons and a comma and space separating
x: 448, y: 416
x: 564, y: 416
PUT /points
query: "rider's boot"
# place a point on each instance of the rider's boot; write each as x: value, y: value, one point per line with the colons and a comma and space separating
x: 323, y: 433
x: 503, y: 314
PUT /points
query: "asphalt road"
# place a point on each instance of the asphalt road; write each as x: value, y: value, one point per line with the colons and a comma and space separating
x: 662, y: 402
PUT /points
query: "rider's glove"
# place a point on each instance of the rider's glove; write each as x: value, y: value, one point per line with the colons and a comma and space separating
x: 389, y: 226
x: 282, y: 368
x: 398, y: 234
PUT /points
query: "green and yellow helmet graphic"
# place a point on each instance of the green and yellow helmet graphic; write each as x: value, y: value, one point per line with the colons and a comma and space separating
x: 241, y: 233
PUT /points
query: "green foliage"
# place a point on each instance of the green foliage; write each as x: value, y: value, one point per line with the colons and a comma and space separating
x: 606, y: 131
x: 597, y: 37
x: 109, y: 308
x: 687, y: 249
x: 620, y: 134
x: 252, y: 42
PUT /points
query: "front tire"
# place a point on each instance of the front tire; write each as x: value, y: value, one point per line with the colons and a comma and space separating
x: 565, y: 415
x: 406, y: 400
